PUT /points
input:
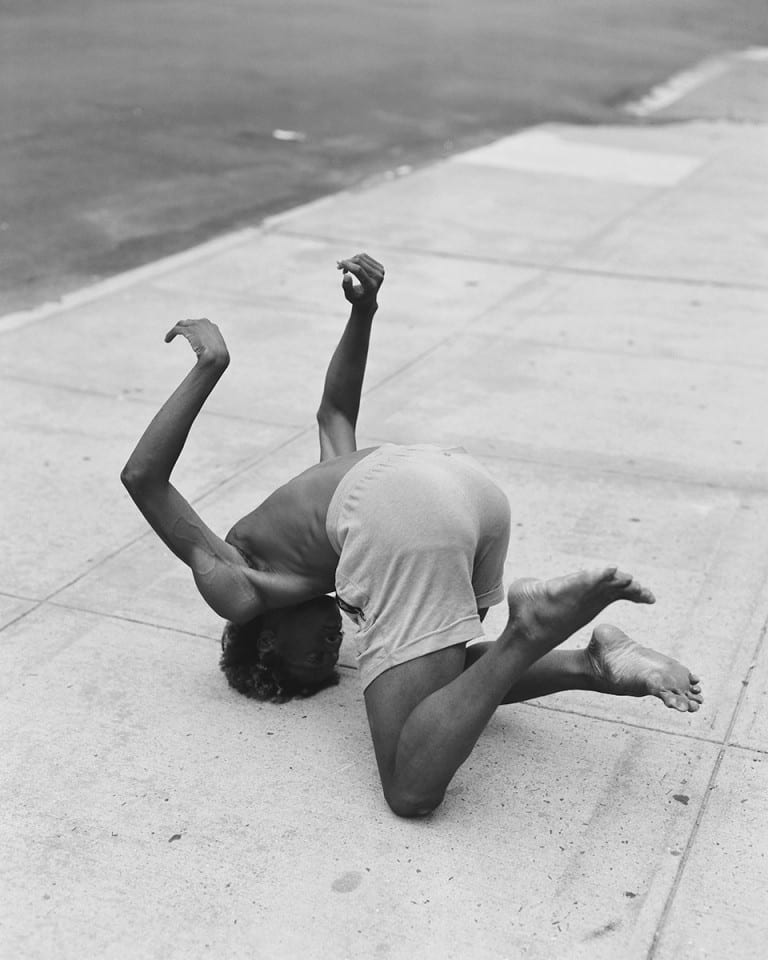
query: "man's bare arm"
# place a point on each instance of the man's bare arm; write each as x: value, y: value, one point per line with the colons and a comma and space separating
x: 161, y: 444
x: 340, y: 404
x: 219, y: 571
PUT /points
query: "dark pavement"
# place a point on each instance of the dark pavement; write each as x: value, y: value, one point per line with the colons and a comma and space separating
x: 132, y: 130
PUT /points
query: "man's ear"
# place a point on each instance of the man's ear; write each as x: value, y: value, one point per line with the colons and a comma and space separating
x: 267, y: 641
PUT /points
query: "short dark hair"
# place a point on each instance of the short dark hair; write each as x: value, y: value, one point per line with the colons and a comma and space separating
x: 261, y: 675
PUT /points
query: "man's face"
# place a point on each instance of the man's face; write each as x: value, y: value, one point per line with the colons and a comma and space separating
x: 308, y: 638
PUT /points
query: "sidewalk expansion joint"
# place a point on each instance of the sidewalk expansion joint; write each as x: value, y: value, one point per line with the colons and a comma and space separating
x: 745, y: 749
x: 591, y: 348
x: 124, y: 618
x: 21, y: 616
x: 724, y: 747
x: 139, y: 400
x: 633, y: 470
x: 617, y: 721
x: 545, y: 267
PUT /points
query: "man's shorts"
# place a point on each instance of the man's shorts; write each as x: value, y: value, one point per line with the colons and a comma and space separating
x: 422, y: 536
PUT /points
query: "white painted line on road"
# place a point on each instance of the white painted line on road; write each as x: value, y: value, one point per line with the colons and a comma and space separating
x: 544, y: 151
x: 686, y: 82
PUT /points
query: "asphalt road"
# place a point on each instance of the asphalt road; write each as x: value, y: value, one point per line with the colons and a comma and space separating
x: 129, y: 130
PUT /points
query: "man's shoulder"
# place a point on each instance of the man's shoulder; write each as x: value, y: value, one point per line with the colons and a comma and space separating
x: 321, y: 479
x: 293, y: 503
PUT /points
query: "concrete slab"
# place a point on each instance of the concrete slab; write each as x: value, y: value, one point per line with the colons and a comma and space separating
x: 11, y: 608
x: 698, y: 220
x: 275, y: 341
x: 143, y: 581
x: 298, y: 273
x: 719, y: 907
x: 547, y: 151
x: 751, y: 726
x: 714, y: 324
x: 660, y: 417
x: 189, y: 819
x: 150, y: 369
x: 63, y: 452
x: 475, y: 211
x: 700, y: 140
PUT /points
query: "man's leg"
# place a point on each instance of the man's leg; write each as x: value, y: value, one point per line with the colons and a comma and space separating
x: 427, y: 714
x: 611, y: 663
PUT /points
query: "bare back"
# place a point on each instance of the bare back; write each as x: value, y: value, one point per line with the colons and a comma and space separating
x: 286, y: 533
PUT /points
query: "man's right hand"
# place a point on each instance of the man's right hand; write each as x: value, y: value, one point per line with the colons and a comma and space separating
x: 205, y: 339
x: 369, y: 273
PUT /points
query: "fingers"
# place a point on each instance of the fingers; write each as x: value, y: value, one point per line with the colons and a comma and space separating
x: 183, y: 327
x: 364, y: 267
x: 358, y: 270
x: 372, y: 264
x: 365, y: 258
x: 173, y: 332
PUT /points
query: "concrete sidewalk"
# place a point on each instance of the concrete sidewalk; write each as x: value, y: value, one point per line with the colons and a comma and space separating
x: 584, y: 309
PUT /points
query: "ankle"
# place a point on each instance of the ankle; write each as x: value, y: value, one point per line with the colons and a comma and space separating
x: 586, y: 670
x: 519, y: 631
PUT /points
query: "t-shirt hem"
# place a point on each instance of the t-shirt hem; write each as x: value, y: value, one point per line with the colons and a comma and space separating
x: 491, y: 597
x: 461, y: 631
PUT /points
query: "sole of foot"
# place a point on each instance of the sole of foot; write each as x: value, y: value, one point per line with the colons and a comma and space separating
x: 625, y: 668
x: 547, y: 612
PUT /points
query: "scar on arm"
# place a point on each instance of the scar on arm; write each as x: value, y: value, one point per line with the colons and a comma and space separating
x: 203, y: 563
x: 221, y: 580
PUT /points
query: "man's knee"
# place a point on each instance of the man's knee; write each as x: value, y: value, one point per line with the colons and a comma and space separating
x: 410, y: 804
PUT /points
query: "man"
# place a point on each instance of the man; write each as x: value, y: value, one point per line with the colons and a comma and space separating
x: 413, y: 540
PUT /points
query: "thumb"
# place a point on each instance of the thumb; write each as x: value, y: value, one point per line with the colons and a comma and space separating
x: 347, y: 281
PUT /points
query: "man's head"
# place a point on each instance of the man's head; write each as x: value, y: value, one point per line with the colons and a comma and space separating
x: 284, y: 653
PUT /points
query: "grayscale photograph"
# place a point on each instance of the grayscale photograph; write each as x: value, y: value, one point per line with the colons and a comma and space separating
x: 384, y: 568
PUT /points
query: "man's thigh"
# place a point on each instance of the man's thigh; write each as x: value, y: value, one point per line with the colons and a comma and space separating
x: 393, y: 695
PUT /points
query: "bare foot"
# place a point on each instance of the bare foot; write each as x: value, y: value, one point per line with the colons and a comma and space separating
x: 623, y: 667
x: 546, y: 612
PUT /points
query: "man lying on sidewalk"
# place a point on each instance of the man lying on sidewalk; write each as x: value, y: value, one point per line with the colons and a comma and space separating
x: 412, y: 539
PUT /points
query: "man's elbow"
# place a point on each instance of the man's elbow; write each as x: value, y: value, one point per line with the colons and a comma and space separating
x: 330, y: 418
x: 325, y: 413
x: 133, y: 478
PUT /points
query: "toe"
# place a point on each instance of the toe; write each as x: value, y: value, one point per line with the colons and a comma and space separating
x: 693, y: 706
x: 692, y: 678
x: 640, y: 594
x: 674, y: 701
